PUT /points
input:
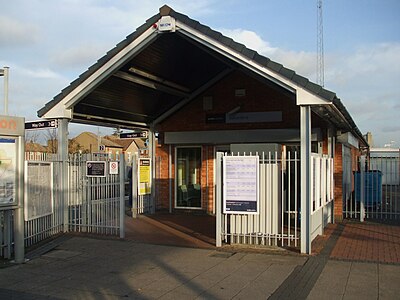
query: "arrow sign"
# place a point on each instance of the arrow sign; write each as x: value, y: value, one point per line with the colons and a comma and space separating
x: 132, y: 135
x: 41, y: 124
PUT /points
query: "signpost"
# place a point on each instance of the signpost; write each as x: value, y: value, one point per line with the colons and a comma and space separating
x: 44, y: 124
x: 133, y: 135
x: 12, y: 144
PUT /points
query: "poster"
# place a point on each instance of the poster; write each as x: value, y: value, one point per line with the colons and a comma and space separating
x: 38, y: 189
x: 241, y: 188
x: 8, y: 171
x: 144, y: 177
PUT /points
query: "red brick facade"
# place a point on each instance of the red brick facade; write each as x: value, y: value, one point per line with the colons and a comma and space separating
x: 259, y: 97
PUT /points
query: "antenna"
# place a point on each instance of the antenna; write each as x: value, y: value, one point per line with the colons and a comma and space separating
x: 320, y: 45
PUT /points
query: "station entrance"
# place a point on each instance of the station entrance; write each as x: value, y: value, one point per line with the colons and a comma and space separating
x: 195, y: 92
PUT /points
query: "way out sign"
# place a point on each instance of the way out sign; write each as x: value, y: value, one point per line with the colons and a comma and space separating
x: 113, y: 168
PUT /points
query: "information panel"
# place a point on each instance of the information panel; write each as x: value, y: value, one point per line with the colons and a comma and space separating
x: 96, y: 169
x: 8, y: 170
x: 240, y: 177
x: 38, y: 189
x: 144, y: 177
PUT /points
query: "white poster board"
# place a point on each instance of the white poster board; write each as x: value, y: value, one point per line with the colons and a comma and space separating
x: 241, y: 187
x: 38, y: 189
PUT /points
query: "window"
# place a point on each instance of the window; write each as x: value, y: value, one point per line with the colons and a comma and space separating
x: 188, y: 177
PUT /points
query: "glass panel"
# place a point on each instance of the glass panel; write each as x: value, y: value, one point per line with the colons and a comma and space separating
x: 188, y: 177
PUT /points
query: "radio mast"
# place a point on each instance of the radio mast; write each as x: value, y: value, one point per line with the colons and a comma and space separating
x: 320, y: 45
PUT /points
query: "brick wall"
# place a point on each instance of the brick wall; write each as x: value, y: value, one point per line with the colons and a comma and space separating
x: 338, y: 179
x: 259, y: 97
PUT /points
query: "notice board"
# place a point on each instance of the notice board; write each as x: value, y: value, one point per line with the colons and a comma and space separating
x: 144, y: 176
x: 38, y: 189
x: 8, y: 170
x: 241, y: 187
x: 96, y: 169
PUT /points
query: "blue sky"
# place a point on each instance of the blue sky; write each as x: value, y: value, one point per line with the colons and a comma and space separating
x: 48, y: 43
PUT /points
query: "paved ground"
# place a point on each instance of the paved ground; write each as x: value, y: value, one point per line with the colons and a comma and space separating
x: 74, y: 267
x: 369, y: 242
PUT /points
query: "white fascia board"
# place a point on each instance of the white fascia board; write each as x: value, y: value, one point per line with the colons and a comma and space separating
x: 58, y: 112
x: 64, y: 107
x: 304, y: 97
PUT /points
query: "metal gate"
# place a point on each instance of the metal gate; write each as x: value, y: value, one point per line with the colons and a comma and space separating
x: 92, y: 204
x: 376, y: 193
x: 96, y: 202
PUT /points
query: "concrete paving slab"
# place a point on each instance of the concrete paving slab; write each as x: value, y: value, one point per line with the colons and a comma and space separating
x: 389, y: 281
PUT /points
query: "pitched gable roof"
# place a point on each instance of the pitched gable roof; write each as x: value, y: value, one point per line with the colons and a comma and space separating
x: 247, y: 56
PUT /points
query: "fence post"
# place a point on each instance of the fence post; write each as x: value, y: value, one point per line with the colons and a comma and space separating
x: 62, y: 151
x: 362, y: 188
x: 121, y: 196
x: 218, y: 201
x: 135, y: 161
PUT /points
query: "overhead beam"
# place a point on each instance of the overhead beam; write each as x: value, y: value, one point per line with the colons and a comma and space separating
x: 114, y: 109
x: 159, y: 80
x: 150, y: 84
x: 111, y: 122
x: 192, y: 96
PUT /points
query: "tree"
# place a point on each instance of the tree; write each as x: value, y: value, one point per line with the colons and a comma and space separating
x: 51, y: 137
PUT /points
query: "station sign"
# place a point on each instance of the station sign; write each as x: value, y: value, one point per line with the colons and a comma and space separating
x: 133, y: 135
x: 12, y: 126
x: 42, y: 124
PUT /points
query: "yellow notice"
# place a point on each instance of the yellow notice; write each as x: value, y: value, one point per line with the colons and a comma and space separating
x: 144, y: 176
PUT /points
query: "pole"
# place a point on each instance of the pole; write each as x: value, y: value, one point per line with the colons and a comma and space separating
x: 19, y: 224
x: 122, y: 196
x: 5, y: 72
x: 305, y: 164
x: 62, y: 151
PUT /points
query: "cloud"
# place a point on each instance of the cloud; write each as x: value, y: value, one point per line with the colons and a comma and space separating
x: 16, y: 33
x: 304, y: 63
x: 76, y: 57
x: 366, y: 79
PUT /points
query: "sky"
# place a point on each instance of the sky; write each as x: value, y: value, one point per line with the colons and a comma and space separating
x: 48, y: 43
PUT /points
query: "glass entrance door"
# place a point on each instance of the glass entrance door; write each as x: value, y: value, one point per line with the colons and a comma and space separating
x: 188, y: 177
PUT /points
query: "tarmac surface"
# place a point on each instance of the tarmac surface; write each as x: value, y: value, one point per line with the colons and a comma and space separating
x: 139, y: 267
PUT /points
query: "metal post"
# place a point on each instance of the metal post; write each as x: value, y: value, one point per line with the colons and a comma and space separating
x: 62, y: 150
x: 122, y: 196
x: 362, y: 188
x: 153, y: 169
x: 305, y: 160
x: 218, y: 201
x: 170, y: 180
x: 19, y: 225
x: 4, y: 72
x: 135, y: 161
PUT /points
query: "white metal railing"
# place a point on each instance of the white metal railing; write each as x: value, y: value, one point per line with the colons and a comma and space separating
x: 278, y: 220
x: 321, y: 193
